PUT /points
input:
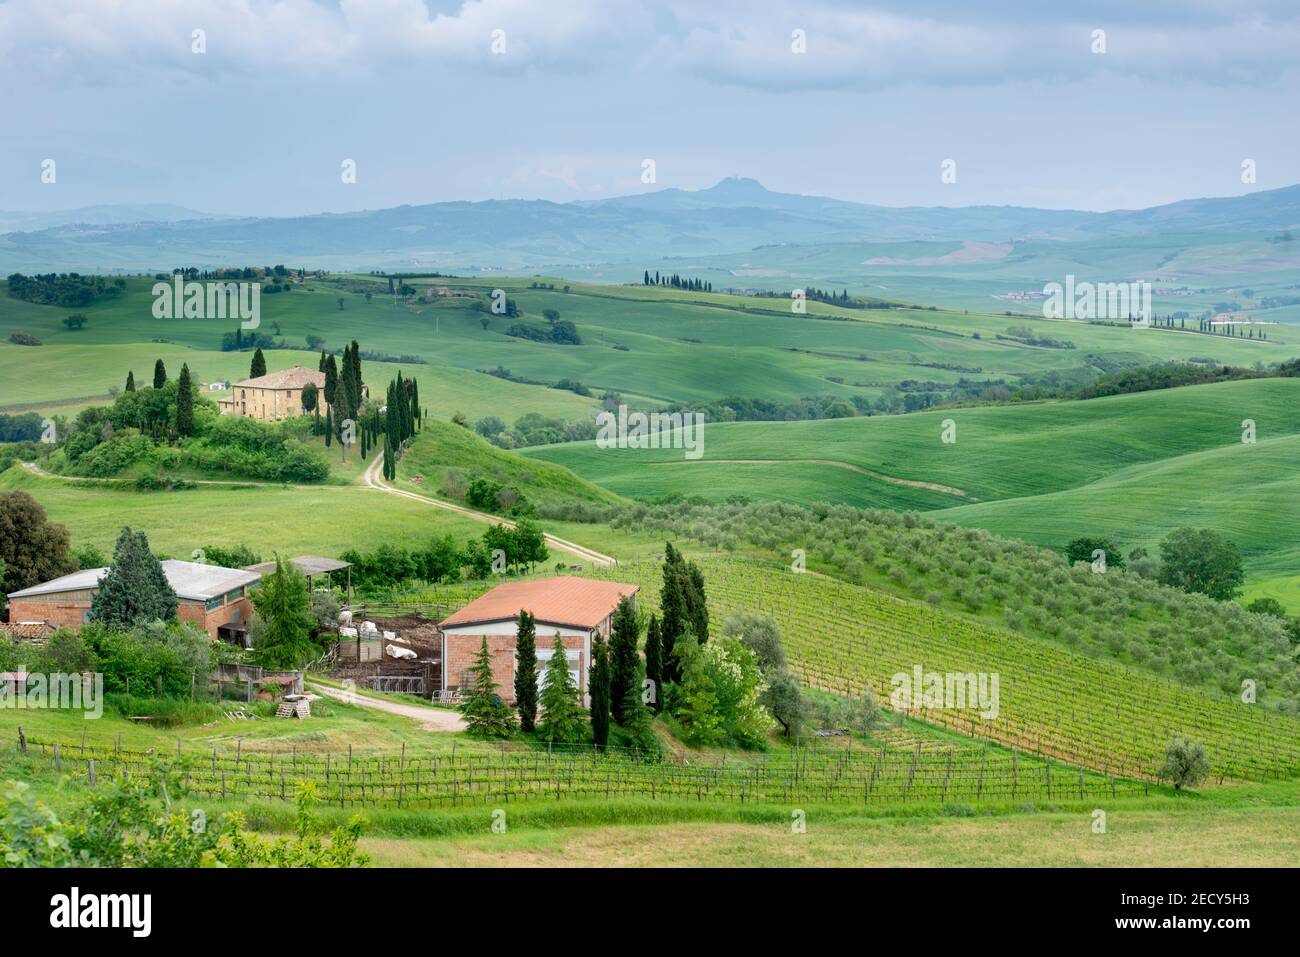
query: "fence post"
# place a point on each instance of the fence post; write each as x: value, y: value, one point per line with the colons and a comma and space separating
x: 22, y: 740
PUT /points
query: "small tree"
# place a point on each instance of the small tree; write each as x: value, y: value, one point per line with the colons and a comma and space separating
x: 159, y: 374
x: 1200, y: 560
x: 130, y: 381
x: 1083, y: 550
x: 561, y: 713
x: 257, y: 367
x: 486, y: 715
x: 1185, y: 762
x: 526, y: 671
x: 283, y: 602
x: 599, y: 691
x: 134, y: 589
x: 311, y: 403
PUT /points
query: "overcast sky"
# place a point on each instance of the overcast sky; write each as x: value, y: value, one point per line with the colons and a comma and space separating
x: 584, y: 91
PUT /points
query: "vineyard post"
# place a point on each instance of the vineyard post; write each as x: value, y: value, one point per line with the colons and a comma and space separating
x: 1015, y: 772
x: 22, y: 740
x: 90, y: 769
x: 58, y: 763
x: 1080, y: 783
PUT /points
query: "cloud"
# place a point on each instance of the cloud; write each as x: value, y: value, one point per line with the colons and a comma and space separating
x: 850, y: 46
x: 90, y: 41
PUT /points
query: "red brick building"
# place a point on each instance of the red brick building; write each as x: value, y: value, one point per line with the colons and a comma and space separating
x: 212, y: 597
x: 576, y: 608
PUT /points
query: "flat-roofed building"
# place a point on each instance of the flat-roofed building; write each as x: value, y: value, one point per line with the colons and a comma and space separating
x: 212, y: 597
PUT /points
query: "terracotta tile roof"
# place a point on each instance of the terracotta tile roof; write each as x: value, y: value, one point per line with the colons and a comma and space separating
x: 292, y: 378
x: 564, y: 600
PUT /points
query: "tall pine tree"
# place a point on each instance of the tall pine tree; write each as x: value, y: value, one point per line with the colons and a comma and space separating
x: 561, y: 713
x: 486, y: 715
x: 134, y: 589
x: 130, y: 381
x: 526, y: 670
x: 159, y: 374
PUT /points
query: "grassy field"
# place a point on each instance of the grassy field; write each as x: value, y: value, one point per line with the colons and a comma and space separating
x: 1267, y: 837
x: 1131, y: 466
x: 649, y: 342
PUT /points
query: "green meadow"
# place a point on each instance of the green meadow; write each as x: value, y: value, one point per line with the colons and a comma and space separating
x: 651, y: 343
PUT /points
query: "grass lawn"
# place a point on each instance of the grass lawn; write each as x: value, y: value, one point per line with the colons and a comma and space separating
x: 1268, y: 837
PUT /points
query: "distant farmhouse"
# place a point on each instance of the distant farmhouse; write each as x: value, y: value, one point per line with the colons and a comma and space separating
x: 577, y: 608
x: 212, y: 597
x: 277, y: 395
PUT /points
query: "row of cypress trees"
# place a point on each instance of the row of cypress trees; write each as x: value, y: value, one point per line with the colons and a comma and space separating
x: 184, y: 425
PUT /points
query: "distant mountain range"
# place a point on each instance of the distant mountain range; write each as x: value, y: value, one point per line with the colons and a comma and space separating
x: 735, y: 215
x: 13, y: 222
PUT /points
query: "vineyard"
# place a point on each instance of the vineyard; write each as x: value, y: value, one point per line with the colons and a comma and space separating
x: 1096, y: 714
x: 885, y: 774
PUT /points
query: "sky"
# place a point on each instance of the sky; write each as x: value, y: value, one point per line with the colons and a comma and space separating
x: 567, y: 99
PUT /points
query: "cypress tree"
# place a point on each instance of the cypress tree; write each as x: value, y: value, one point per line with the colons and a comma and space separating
x: 130, y: 381
x: 257, y: 367
x: 184, y: 403
x: 697, y: 606
x: 600, y: 691
x: 329, y: 425
x: 159, y: 374
x: 134, y: 589
x: 331, y: 380
x: 673, y: 624
x: 623, y: 660
x: 654, y: 662
x: 526, y: 671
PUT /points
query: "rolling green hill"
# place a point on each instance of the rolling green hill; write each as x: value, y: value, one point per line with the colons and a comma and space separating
x: 442, y: 449
x: 1132, y: 466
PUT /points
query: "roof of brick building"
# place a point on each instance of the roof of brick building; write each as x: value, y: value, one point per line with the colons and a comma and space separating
x: 188, y: 579
x: 562, y: 600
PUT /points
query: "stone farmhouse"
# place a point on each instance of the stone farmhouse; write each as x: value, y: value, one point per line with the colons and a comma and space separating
x: 276, y: 395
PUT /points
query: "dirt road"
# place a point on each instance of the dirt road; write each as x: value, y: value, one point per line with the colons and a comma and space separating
x: 431, y: 719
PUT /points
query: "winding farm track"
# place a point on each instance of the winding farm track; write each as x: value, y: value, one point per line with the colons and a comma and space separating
x: 372, y: 480
x: 880, y: 476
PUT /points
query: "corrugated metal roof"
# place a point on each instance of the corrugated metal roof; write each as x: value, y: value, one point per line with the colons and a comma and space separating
x: 188, y: 579
x: 563, y: 600
x: 308, y: 564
